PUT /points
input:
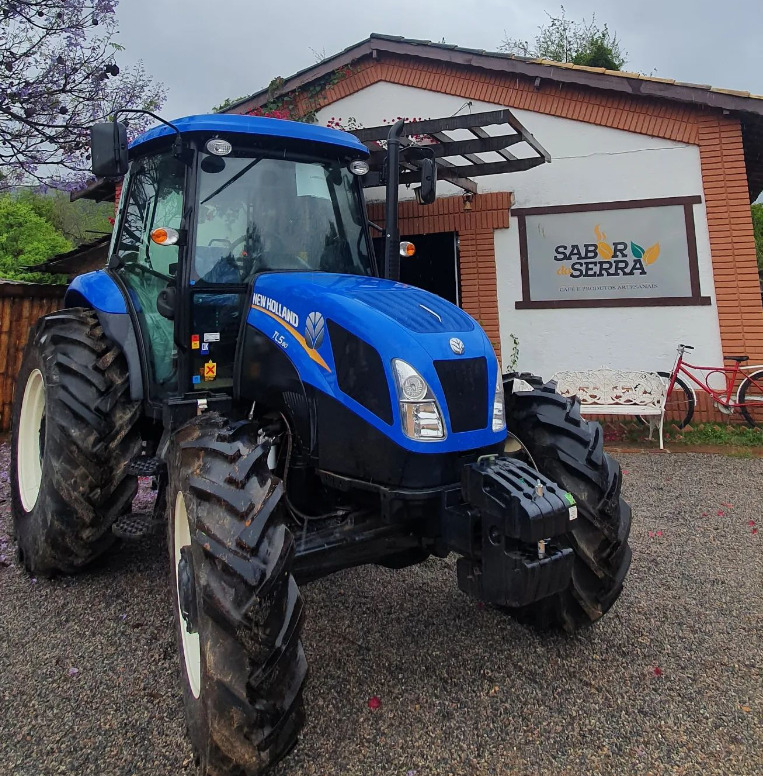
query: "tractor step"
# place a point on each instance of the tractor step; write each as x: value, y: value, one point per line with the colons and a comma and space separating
x: 135, y: 525
x: 146, y: 466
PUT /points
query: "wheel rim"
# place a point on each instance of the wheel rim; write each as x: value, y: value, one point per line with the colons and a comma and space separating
x: 751, y: 396
x: 679, y: 405
x: 191, y: 644
x: 31, y: 440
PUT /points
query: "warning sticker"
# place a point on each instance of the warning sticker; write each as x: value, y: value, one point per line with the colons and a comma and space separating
x: 211, y: 336
x: 205, y: 347
x: 573, y: 513
x: 194, y: 341
x: 210, y: 370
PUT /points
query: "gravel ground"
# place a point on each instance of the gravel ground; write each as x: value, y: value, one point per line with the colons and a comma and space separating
x: 668, y: 682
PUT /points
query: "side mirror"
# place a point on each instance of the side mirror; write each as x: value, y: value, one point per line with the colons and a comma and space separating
x: 427, y: 194
x: 108, y: 149
x: 165, y: 302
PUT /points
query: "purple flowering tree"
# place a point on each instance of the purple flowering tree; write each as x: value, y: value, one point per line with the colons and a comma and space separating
x: 58, y: 76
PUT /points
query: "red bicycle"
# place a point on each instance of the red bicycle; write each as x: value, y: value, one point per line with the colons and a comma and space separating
x: 681, y: 397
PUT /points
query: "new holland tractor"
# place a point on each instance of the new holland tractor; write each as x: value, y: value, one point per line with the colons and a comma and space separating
x: 300, y: 414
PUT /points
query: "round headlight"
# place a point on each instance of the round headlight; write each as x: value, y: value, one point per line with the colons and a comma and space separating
x: 414, y: 388
x: 359, y: 167
x: 219, y: 147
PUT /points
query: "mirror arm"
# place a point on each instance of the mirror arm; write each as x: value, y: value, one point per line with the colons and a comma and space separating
x: 178, y: 148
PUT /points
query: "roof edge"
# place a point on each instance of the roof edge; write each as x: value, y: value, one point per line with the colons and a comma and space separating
x: 620, y: 82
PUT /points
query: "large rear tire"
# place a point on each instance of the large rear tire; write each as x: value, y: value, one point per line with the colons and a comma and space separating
x: 237, y: 607
x: 74, y: 433
x: 569, y: 450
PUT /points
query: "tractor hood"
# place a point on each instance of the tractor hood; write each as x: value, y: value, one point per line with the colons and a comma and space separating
x: 342, y: 333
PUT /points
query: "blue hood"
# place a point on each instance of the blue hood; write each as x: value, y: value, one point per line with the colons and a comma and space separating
x: 397, y: 320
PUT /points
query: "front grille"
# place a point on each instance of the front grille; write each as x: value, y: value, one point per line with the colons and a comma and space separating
x: 360, y: 372
x: 464, y: 382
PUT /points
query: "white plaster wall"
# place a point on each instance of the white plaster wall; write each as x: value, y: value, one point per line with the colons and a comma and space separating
x: 589, y: 164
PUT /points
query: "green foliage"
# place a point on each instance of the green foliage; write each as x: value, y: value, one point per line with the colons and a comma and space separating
x: 718, y: 434
x: 514, y: 357
x: 227, y: 102
x: 27, y: 238
x: 566, y: 40
x: 733, y: 434
x: 757, y: 228
x: 80, y: 222
x: 597, y: 53
x: 300, y: 104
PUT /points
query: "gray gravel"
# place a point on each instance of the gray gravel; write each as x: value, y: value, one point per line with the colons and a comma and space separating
x: 668, y: 682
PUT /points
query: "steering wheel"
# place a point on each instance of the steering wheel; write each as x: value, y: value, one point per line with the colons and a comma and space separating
x: 243, y: 263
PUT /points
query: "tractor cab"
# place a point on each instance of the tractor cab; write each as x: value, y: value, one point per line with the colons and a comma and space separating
x: 209, y: 203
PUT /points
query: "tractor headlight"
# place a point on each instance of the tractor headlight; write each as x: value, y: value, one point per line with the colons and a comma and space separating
x: 499, y: 413
x: 419, y: 412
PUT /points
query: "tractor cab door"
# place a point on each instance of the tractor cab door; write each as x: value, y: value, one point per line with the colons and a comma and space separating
x: 154, y: 198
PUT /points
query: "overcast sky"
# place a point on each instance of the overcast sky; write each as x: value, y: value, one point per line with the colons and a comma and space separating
x: 207, y: 50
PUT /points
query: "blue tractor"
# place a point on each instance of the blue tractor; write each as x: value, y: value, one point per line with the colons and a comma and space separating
x: 301, y: 412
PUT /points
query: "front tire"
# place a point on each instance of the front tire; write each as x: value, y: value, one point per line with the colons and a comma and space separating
x: 238, y: 610
x: 74, y: 433
x: 569, y: 450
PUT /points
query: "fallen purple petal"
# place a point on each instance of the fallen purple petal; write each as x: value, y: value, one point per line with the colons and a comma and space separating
x: 73, y: 671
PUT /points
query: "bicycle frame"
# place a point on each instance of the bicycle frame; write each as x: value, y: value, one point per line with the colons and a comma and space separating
x: 730, y: 376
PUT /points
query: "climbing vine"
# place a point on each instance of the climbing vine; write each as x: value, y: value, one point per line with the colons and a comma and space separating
x: 300, y: 104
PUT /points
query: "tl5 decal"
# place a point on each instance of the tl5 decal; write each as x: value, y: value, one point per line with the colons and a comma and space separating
x: 601, y: 258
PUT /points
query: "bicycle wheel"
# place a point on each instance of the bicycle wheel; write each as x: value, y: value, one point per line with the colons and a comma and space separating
x: 750, y: 397
x: 679, y: 406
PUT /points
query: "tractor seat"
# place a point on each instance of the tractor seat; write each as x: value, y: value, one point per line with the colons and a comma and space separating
x: 738, y: 359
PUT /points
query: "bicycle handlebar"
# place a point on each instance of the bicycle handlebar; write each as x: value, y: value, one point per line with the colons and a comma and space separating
x: 683, y: 347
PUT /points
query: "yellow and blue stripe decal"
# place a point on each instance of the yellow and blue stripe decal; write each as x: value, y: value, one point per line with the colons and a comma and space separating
x: 311, y: 352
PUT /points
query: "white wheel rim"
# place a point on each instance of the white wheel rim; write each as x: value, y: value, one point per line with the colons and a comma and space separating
x: 28, y: 450
x: 190, y: 641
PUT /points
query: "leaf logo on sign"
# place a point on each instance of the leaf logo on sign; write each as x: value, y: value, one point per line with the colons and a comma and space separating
x: 604, y: 248
x: 652, y: 253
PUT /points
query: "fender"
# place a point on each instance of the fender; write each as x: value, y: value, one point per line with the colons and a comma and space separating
x: 99, y: 291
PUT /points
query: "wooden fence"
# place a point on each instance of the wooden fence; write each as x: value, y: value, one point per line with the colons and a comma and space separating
x: 21, y: 304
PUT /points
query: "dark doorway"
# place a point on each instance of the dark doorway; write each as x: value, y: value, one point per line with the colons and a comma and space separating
x: 434, y: 267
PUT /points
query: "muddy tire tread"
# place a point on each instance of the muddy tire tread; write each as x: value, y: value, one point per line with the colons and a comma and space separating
x: 247, y: 594
x: 91, y: 436
x: 570, y: 450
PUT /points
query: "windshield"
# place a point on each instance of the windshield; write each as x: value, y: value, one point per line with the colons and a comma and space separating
x: 257, y: 214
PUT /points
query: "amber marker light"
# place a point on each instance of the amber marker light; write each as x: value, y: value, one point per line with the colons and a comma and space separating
x: 407, y: 248
x: 163, y: 235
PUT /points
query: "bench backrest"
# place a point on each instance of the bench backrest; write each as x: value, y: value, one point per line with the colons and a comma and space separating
x: 608, y: 387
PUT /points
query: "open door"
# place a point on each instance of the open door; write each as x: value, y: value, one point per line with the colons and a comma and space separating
x: 434, y: 266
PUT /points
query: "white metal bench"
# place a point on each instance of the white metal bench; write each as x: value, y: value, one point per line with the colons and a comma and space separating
x: 615, y: 392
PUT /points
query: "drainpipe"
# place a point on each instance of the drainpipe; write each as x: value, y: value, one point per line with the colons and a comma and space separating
x: 392, y: 236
